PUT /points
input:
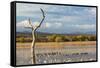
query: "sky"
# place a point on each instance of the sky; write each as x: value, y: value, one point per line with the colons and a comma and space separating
x: 58, y: 18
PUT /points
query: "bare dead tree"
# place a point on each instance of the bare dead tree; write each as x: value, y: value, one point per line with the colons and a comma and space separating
x: 34, y: 28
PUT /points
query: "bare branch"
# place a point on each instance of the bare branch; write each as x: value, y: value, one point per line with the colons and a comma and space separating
x: 30, y: 23
x: 42, y: 18
x: 42, y: 12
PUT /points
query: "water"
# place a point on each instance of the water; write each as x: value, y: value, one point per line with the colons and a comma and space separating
x: 69, y: 53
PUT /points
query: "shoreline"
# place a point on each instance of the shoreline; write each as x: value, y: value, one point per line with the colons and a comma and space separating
x: 55, y: 44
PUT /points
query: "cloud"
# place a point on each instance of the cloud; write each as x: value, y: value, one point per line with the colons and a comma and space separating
x: 25, y: 23
x: 45, y: 25
x: 93, y: 11
x: 30, y: 10
x: 57, y: 20
x: 85, y: 26
x: 65, y: 13
x: 58, y: 25
x: 52, y: 25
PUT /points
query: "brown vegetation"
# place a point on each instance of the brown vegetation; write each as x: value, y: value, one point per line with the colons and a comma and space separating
x: 56, y: 38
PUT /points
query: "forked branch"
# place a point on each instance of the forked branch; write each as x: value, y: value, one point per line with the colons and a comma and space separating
x: 35, y: 27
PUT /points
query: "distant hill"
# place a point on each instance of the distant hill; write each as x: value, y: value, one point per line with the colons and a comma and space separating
x: 44, y: 33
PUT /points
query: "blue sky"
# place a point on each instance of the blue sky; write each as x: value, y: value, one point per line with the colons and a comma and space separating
x: 58, y: 19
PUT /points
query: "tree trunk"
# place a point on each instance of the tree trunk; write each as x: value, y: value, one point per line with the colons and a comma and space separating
x: 33, y: 48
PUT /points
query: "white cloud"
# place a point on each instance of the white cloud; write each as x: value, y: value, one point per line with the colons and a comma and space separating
x: 23, y: 24
x: 52, y: 25
x: 43, y: 26
x: 26, y: 24
x: 36, y: 24
x: 47, y: 25
x: 85, y: 26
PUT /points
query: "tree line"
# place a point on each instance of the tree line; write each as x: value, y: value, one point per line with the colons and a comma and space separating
x: 56, y: 38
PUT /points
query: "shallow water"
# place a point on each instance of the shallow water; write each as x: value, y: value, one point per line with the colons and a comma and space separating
x: 56, y: 55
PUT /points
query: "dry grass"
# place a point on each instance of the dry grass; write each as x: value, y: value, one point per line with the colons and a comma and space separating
x: 55, y: 44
